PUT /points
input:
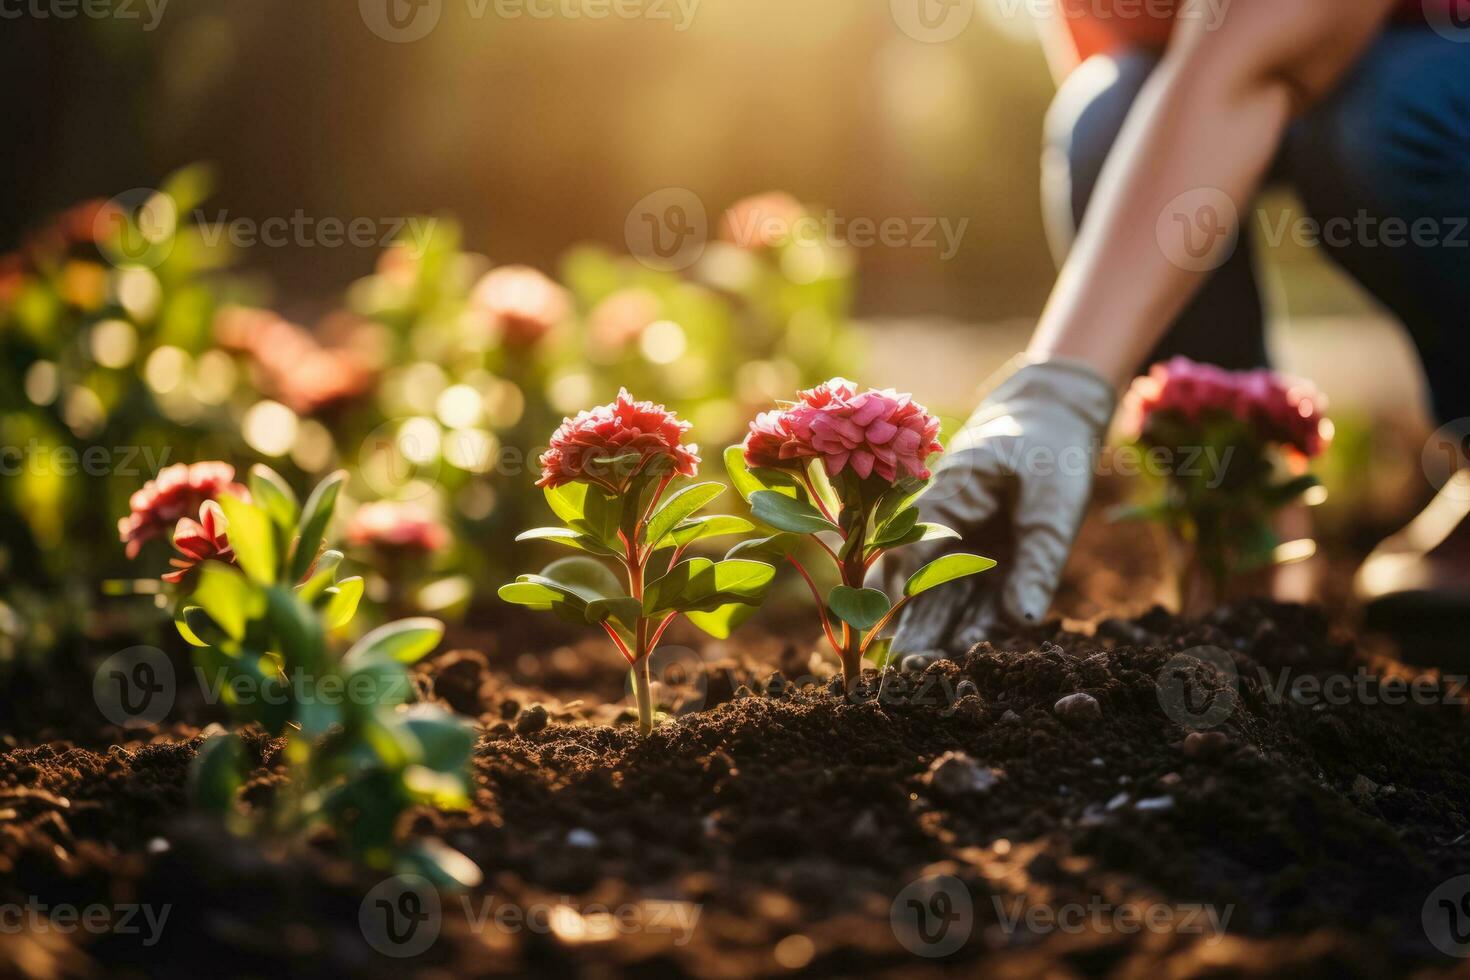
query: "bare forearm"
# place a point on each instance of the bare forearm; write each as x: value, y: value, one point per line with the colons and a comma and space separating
x: 1184, y: 171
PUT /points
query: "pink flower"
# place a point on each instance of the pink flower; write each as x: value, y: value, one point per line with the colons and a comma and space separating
x: 200, y: 541
x: 876, y: 431
x: 621, y: 317
x: 762, y: 221
x: 291, y: 364
x: 522, y: 304
x: 389, y: 524
x: 625, y: 428
x: 176, y: 492
x: 1280, y: 410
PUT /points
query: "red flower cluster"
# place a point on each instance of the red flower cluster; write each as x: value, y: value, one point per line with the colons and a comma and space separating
x: 176, y: 492
x: 1281, y: 410
x: 882, y: 432
x: 293, y: 366
x: 611, y: 432
x: 522, y: 304
x: 389, y: 524
x: 200, y: 541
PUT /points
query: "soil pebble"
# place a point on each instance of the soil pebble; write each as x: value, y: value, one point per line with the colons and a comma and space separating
x: 1078, y: 707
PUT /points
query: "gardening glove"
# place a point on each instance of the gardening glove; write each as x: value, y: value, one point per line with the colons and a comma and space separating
x: 1015, y: 485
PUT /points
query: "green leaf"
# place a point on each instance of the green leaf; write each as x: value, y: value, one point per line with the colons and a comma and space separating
x: 533, y: 595
x: 699, y: 528
x: 379, y: 683
x: 322, y: 575
x: 921, y: 532
x: 316, y: 515
x: 787, y: 514
x: 586, y: 577
x: 772, y: 548
x: 253, y: 538
x: 269, y: 490
x: 859, y: 608
x: 405, y: 641
x: 700, y: 585
x: 315, y: 716
x: 663, y: 593
x: 298, y: 631
x: 215, y: 775
x: 613, y: 462
x: 880, y: 652
x: 197, y: 629
x: 601, y: 517
x: 739, y: 577
x: 445, y: 741
x: 678, y: 508
x: 946, y: 569
x: 439, y: 864
x: 816, y: 472
x: 568, y: 502
x: 342, y: 605
x: 721, y: 622
x: 897, y: 527
x: 622, y: 610
x: 229, y: 598
x: 905, y: 494
x: 748, y: 482
x: 566, y: 537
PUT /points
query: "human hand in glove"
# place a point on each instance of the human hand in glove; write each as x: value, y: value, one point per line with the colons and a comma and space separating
x: 1015, y: 484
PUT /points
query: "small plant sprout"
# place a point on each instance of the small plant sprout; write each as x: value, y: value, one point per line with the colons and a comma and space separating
x: 846, y: 469
x: 608, y: 475
x: 1235, y: 446
x: 258, y: 596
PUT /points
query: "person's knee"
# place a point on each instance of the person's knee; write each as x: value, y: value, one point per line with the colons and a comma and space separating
x: 1081, y: 126
x: 1391, y: 142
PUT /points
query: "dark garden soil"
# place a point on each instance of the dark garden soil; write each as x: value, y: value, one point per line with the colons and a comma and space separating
x: 778, y: 829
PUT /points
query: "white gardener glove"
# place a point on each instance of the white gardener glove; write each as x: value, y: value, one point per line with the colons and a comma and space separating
x: 1015, y: 484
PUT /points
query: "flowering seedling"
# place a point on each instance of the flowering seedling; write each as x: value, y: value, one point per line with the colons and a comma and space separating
x: 846, y: 469
x: 608, y: 476
x: 1235, y: 446
x: 257, y: 595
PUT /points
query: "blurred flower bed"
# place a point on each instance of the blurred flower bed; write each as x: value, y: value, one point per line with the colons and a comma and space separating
x: 129, y: 340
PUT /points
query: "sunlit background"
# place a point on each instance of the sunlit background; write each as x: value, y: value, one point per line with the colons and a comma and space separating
x: 535, y: 140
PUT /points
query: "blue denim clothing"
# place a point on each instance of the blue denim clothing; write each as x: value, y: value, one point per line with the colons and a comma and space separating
x: 1383, y: 169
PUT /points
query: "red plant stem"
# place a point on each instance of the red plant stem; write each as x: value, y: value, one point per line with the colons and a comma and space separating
x: 658, y: 634
x: 653, y: 501
x: 882, y: 624
x: 618, y: 641
x: 821, y: 606
x: 811, y: 489
x: 642, y: 693
x: 830, y: 553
